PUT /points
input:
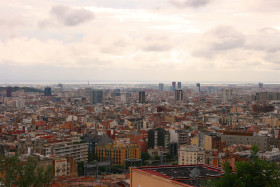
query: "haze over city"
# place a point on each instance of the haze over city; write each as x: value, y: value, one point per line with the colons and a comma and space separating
x: 202, y: 40
x: 139, y: 93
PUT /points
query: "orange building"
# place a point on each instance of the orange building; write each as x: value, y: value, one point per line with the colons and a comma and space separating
x: 117, y: 153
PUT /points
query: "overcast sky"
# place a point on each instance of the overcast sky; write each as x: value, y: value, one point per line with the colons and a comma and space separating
x: 180, y: 40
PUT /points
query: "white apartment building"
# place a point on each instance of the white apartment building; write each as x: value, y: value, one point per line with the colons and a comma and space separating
x: 79, y: 150
x: 191, y: 154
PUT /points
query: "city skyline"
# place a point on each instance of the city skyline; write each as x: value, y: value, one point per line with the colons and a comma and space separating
x: 185, y: 40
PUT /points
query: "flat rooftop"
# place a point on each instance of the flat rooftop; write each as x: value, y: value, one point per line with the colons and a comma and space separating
x: 185, y: 174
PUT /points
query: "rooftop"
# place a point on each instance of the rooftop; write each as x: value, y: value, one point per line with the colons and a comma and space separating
x: 184, y: 173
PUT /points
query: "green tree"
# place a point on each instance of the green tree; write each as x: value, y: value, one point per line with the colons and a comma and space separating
x: 168, y: 156
x: 257, y: 173
x: 145, y: 156
x: 8, y: 169
x: 92, y: 157
x: 24, y: 174
x: 229, y: 178
x: 80, y: 168
x: 157, y: 157
x: 188, y: 128
x: 43, y: 178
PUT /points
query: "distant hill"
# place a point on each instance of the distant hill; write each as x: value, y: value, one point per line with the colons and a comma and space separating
x: 25, y: 89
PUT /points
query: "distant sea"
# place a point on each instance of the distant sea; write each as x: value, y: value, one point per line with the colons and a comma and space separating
x: 110, y: 82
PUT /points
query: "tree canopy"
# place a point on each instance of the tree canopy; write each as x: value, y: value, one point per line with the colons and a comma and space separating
x: 257, y: 172
x: 24, y: 174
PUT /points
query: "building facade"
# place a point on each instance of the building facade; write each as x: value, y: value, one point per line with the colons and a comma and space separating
x: 142, y: 98
x: 48, y: 91
x: 178, y: 95
x: 179, y: 85
x: 97, y: 96
x: 191, y: 154
x: 161, y: 86
x: 9, y: 91
x: 231, y: 138
x: 158, y: 138
x: 117, y: 153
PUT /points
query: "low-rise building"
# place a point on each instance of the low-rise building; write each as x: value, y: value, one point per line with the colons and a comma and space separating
x: 231, y: 138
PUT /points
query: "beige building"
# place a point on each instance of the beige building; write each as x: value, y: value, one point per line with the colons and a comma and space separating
x: 60, y: 166
x: 270, y: 121
x: 208, y: 142
x: 195, y: 141
x: 191, y: 154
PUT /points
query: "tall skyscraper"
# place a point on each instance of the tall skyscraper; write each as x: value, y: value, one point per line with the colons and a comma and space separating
x: 123, y: 97
x: 9, y: 91
x: 179, y: 85
x: 117, y: 92
x: 141, y: 97
x: 198, y: 86
x: 227, y: 94
x: 261, y: 85
x: 1, y: 98
x: 48, y: 91
x: 97, y: 96
x: 178, y: 95
x: 173, y: 86
x: 161, y: 86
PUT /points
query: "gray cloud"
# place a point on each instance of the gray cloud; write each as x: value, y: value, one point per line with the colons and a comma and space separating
x: 71, y: 16
x: 156, y: 43
x: 266, y: 39
x: 190, y: 3
x: 219, y: 39
x: 156, y: 48
x: 273, y: 57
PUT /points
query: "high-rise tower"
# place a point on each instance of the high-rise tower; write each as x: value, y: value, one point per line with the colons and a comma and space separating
x: 97, y: 96
x: 9, y: 91
x: 198, y: 86
x: 141, y: 97
x: 173, y: 86
x: 179, y: 85
x: 48, y: 91
x: 178, y: 95
x: 161, y: 86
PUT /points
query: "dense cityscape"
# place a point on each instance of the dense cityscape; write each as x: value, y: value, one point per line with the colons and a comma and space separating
x: 139, y: 93
x: 172, y: 134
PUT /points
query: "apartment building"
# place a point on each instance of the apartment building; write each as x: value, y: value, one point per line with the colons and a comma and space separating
x: 191, y: 154
x: 117, y: 153
x: 231, y: 138
x: 79, y: 150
